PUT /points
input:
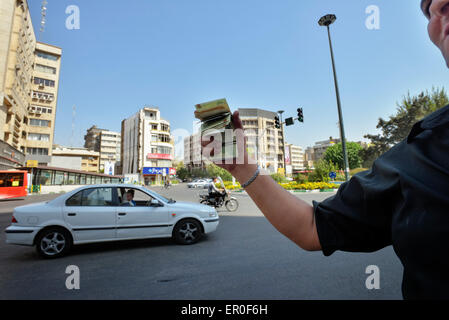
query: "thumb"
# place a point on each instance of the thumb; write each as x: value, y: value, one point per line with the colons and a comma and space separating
x: 236, y: 121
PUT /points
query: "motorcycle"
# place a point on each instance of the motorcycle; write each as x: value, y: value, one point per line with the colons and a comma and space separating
x: 217, y: 201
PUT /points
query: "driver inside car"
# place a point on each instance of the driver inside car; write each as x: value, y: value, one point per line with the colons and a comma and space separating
x: 129, y: 202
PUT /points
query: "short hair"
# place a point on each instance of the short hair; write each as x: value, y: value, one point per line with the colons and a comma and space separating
x: 130, y: 191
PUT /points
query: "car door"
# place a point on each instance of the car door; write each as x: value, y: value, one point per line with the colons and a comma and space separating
x: 145, y: 220
x: 91, y: 213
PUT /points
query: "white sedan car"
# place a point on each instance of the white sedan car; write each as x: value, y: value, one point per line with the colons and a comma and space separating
x: 201, y: 183
x: 107, y: 213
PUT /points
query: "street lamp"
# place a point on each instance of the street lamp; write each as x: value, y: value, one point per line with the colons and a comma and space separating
x: 326, y: 21
x: 280, y: 112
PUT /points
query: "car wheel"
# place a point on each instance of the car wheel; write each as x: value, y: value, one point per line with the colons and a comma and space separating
x: 53, y: 243
x: 187, y: 231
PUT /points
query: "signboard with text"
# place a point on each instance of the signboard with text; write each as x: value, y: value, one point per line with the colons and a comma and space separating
x: 159, y: 156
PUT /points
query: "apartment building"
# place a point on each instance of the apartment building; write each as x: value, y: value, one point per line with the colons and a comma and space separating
x: 295, y: 157
x: 71, y: 158
x: 147, y: 146
x: 42, y: 109
x: 316, y: 153
x: 29, y: 74
x: 107, y: 143
x: 193, y: 158
x: 265, y: 142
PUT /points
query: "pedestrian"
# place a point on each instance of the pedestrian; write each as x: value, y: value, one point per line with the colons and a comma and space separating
x: 402, y: 201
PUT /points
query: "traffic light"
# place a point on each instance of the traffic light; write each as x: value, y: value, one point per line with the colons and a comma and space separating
x: 277, y: 123
x: 300, y: 115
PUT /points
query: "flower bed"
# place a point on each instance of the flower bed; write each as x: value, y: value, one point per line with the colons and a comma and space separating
x: 293, y: 186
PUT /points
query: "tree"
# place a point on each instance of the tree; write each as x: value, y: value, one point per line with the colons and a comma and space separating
x: 411, y: 110
x: 334, y: 154
x: 322, y: 170
x: 215, y: 171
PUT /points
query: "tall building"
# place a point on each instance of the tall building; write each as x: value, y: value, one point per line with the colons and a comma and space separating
x: 29, y: 74
x: 265, y: 142
x: 296, y: 158
x: 193, y: 158
x: 107, y: 143
x: 147, y: 146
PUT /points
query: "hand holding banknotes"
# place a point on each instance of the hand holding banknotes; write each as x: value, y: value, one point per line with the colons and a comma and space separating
x: 287, y: 213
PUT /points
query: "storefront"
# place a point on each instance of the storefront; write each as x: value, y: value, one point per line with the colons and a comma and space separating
x: 153, y: 175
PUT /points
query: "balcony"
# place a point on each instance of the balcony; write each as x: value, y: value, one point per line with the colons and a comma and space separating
x: 42, y: 96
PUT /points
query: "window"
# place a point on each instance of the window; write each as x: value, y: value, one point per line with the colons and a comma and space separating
x: 11, y: 180
x: 39, y: 123
x: 154, y: 137
x: 165, y: 127
x: 43, y: 177
x: 164, y: 138
x: 75, y: 200
x: 96, y: 197
x: 40, y: 109
x: 141, y: 198
x: 38, y: 137
x: 44, y: 82
x: 45, y: 55
x: 38, y: 151
x: 163, y: 150
x: 153, y: 126
x: 45, y: 69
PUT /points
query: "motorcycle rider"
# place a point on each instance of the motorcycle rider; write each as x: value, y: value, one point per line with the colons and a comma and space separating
x: 214, y: 192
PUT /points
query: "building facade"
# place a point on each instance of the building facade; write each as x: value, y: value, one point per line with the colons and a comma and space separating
x: 80, y: 159
x: 296, y: 158
x: 193, y: 158
x: 107, y: 143
x: 147, y: 146
x: 265, y: 142
x: 29, y: 74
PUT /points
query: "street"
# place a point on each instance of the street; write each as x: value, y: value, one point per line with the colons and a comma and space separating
x: 246, y: 258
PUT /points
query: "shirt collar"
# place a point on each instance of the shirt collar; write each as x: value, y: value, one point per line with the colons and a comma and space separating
x: 434, y: 120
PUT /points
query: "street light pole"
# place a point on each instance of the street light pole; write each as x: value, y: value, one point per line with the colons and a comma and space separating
x: 283, y: 142
x: 326, y: 21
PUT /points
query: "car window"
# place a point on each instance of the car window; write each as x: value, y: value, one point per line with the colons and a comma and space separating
x: 94, y: 197
x: 138, y: 198
x: 97, y: 197
x: 74, y: 200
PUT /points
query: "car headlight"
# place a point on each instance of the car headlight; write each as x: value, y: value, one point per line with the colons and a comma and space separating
x: 213, y: 214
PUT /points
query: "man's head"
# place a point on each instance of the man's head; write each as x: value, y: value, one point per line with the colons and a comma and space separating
x: 437, y: 12
x: 130, y: 195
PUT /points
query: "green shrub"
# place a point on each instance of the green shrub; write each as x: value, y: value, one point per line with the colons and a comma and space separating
x: 279, y: 178
x: 321, y: 172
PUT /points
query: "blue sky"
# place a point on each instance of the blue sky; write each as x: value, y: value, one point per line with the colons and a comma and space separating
x: 258, y: 54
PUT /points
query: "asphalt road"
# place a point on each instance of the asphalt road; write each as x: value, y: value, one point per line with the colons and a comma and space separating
x: 246, y: 258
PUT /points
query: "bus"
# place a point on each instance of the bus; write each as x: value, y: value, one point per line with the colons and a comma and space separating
x: 13, y: 184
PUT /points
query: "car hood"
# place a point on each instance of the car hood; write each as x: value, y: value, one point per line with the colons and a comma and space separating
x: 191, y: 206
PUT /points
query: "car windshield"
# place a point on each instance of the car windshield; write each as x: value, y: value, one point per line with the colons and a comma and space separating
x: 157, y: 195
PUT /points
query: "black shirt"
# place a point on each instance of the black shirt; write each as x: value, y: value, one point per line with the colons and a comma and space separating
x: 402, y: 201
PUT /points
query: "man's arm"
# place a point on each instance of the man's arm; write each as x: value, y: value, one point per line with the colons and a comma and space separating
x: 291, y: 216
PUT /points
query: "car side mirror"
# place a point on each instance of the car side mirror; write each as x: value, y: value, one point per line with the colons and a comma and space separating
x: 155, y: 203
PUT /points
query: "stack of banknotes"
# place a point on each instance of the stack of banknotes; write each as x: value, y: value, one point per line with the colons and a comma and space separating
x: 216, y: 117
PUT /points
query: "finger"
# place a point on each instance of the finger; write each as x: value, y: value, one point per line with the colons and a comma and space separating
x: 236, y: 121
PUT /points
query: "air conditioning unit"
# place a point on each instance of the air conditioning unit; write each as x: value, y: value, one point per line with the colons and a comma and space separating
x: 41, y: 85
